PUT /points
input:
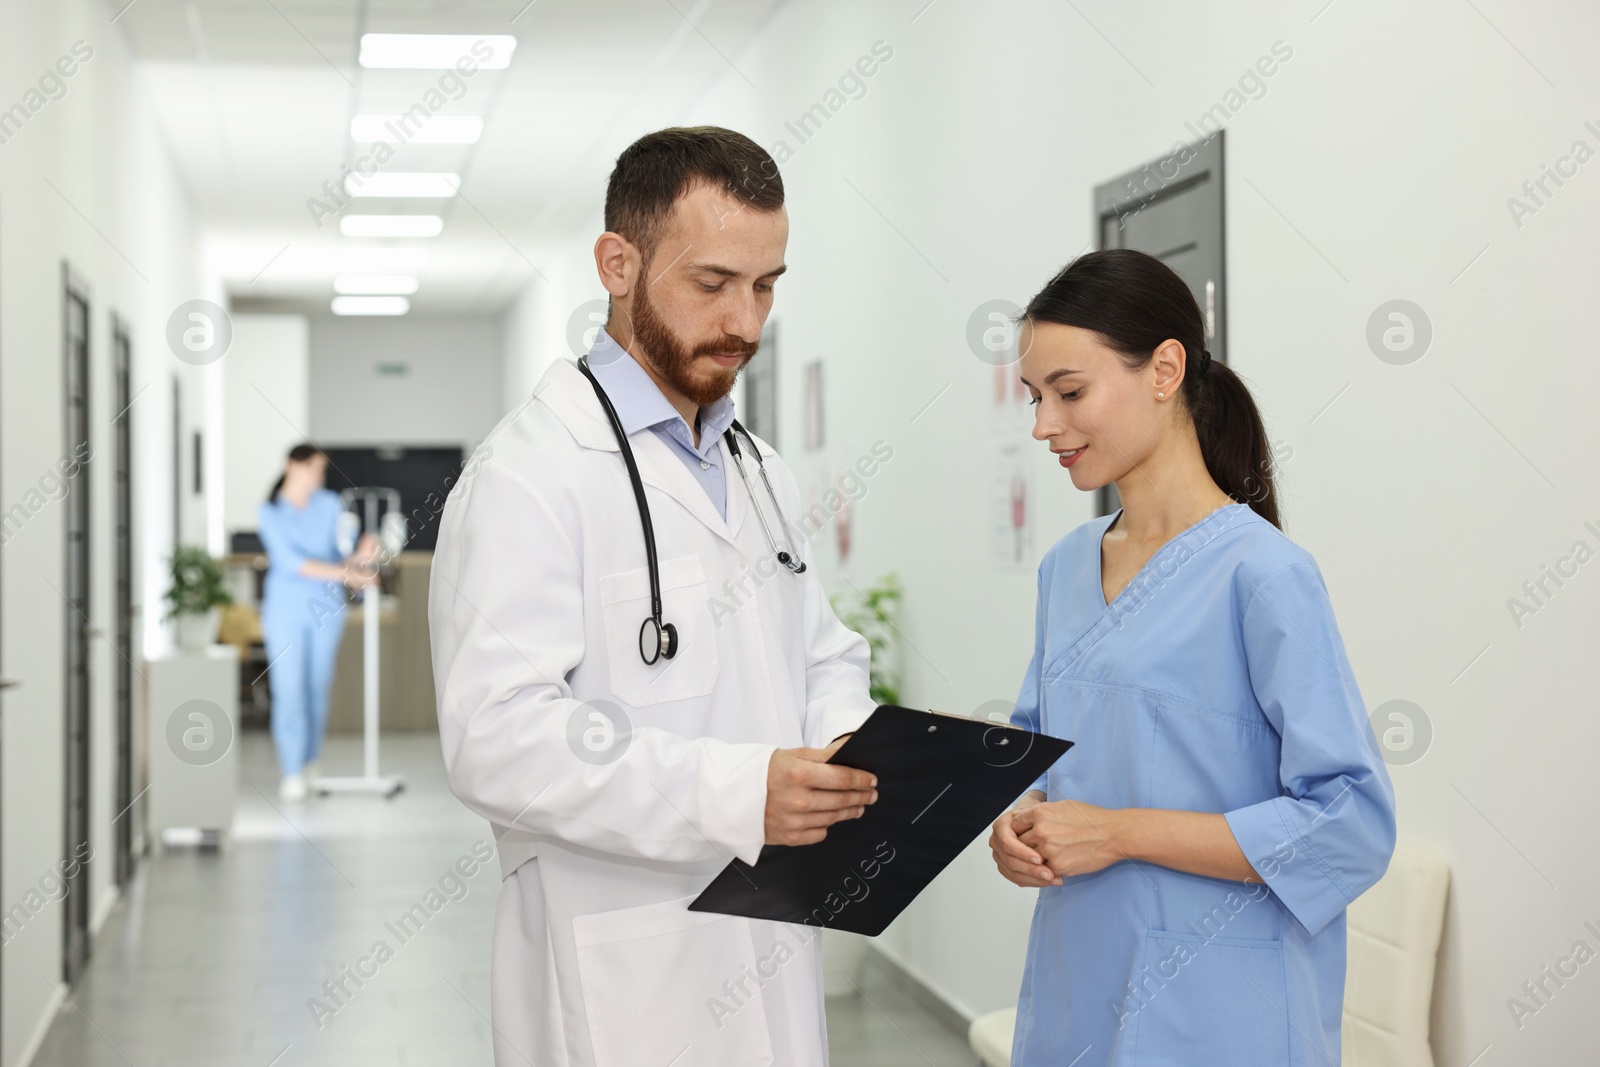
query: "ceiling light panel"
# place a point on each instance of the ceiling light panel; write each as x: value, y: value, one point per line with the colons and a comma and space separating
x: 370, y: 305
x: 438, y: 129
x: 375, y: 284
x: 413, y: 184
x: 436, y: 51
x: 391, y: 225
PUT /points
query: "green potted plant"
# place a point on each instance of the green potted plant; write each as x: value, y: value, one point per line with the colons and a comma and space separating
x: 871, y: 612
x: 196, y: 596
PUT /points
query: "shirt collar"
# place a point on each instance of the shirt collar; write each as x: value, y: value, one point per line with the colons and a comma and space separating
x: 640, y: 403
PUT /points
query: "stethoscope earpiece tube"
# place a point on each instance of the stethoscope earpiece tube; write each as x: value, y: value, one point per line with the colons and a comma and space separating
x: 657, y: 640
x: 790, y: 558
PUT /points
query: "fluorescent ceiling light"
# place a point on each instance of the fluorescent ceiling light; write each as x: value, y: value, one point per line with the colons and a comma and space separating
x: 391, y: 225
x: 438, y: 129
x: 375, y: 284
x: 403, y: 184
x: 363, y: 260
x: 270, y: 262
x: 436, y: 51
x: 370, y: 305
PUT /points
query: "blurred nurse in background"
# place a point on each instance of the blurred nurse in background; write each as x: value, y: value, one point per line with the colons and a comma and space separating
x: 302, y: 609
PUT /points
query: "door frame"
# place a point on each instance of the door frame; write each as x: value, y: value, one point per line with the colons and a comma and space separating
x: 77, y: 395
x: 122, y: 562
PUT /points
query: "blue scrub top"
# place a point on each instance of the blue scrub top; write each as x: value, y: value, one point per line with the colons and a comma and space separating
x: 1215, y: 681
x: 291, y: 536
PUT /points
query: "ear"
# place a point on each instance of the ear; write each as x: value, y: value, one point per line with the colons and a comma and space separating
x: 1171, y: 365
x: 618, y: 263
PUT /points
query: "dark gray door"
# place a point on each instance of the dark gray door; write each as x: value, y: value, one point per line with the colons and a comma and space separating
x: 75, y: 351
x: 177, y: 463
x: 122, y: 663
x: 1172, y: 208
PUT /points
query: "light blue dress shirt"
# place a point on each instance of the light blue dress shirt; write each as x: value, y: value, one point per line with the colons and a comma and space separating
x: 640, y: 405
x: 1216, y: 681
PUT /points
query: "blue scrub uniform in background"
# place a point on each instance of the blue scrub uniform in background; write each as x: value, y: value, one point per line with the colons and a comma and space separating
x: 302, y: 620
x: 1215, y: 681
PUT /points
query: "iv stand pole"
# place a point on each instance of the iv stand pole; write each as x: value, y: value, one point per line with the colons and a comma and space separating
x: 370, y: 780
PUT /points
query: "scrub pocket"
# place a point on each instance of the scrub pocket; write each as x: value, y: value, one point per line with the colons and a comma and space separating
x: 656, y: 987
x: 1210, y: 1000
x: 686, y: 604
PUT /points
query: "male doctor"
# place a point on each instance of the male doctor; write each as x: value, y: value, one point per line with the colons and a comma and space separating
x: 617, y: 789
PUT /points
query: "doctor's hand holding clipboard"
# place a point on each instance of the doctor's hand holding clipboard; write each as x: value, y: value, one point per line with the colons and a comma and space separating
x: 806, y: 794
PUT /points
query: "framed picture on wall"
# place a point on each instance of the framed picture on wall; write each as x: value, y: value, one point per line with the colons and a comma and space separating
x: 759, y: 405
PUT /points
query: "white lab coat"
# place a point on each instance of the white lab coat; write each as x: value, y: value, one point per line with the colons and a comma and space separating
x: 538, y: 591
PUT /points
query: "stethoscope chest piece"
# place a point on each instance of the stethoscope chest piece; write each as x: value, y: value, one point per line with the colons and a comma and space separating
x: 657, y: 640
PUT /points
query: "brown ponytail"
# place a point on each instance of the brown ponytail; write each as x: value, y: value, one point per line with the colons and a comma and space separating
x: 299, y: 453
x: 1137, y: 303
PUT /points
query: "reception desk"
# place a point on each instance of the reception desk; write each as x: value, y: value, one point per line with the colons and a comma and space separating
x: 405, y: 664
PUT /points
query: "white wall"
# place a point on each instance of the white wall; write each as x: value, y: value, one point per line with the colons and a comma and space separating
x: 535, y: 332
x: 1376, y: 165
x: 449, y: 394
x: 88, y: 180
x: 266, y: 408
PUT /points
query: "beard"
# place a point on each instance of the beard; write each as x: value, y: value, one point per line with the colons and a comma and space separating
x: 674, y: 359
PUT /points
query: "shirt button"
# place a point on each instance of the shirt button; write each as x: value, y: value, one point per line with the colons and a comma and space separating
x: 704, y: 465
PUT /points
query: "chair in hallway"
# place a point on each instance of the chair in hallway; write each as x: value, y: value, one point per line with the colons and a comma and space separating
x: 1394, y: 930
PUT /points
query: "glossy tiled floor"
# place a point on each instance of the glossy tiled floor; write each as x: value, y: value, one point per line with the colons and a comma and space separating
x: 219, y: 958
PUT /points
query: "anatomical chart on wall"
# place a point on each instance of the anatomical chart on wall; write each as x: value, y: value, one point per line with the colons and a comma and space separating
x: 1010, y: 504
x: 1011, y: 508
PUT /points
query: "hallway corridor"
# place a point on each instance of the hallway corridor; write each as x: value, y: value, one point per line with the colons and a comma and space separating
x: 213, y: 958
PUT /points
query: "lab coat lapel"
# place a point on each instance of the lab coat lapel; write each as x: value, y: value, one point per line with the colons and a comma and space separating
x: 571, y: 398
x: 662, y: 470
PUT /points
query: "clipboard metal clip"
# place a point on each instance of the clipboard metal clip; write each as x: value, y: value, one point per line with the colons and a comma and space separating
x: 967, y: 718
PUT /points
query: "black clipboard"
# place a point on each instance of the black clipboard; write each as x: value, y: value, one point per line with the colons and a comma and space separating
x: 942, y: 781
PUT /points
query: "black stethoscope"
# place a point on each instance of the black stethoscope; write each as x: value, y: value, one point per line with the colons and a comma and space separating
x: 659, y: 640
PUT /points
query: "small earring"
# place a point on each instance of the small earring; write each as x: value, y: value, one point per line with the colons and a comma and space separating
x: 1161, y: 396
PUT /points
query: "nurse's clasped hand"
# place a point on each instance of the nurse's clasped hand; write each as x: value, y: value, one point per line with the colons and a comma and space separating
x: 806, y: 794
x: 1036, y: 843
x: 1070, y: 836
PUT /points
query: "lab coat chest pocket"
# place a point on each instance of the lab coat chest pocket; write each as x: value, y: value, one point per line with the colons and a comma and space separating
x: 656, y: 987
x: 1223, y: 994
x: 686, y: 604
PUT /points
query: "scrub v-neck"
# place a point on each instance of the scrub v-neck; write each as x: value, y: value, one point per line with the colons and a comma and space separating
x: 1100, y: 552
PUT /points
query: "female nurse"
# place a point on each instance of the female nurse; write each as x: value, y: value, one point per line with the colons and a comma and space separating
x: 302, y: 609
x: 1225, y: 799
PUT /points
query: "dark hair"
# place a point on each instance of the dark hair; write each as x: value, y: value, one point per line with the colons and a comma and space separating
x: 1135, y: 303
x: 299, y: 453
x: 654, y: 171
